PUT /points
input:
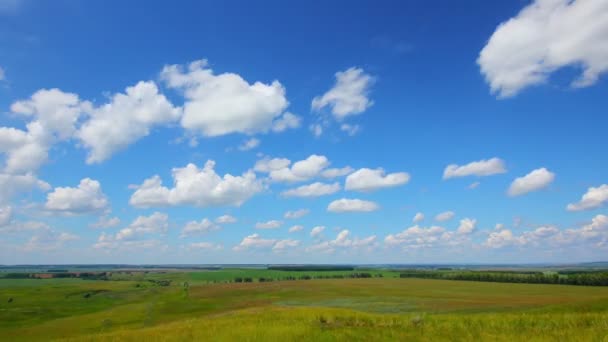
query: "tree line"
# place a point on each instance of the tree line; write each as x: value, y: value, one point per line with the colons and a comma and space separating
x: 582, y: 278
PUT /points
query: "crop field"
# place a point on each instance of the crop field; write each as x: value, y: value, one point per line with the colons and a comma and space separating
x: 178, y: 305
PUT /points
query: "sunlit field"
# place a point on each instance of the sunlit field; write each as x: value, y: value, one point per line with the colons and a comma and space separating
x: 196, y: 305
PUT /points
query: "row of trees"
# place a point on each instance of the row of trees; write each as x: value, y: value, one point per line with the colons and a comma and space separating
x: 310, y: 277
x: 587, y: 279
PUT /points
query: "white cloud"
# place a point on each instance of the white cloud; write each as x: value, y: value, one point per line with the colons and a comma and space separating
x: 316, y: 130
x: 366, y: 180
x: 254, y: 241
x: 296, y: 228
x: 272, y: 224
x: 85, y: 199
x: 502, y: 238
x: 225, y: 103
x: 249, y: 144
x: 535, y: 180
x: 417, y: 237
x: 14, y: 185
x: 467, y: 226
x: 285, y: 122
x: 346, y: 205
x: 6, y: 215
x: 477, y: 168
x: 110, y: 242
x: 106, y: 222
x: 343, y: 240
x: 225, y: 219
x: 544, y: 37
x: 267, y: 165
x: 350, y: 129
x: 444, y: 216
x: 317, y: 231
x: 196, y: 228
x: 204, y: 246
x: 155, y: 223
x: 282, y: 245
x: 48, y: 240
x: 592, y: 199
x: 474, y: 185
x: 419, y: 217
x: 296, y: 214
x: 197, y: 187
x: 53, y: 115
x: 302, y: 170
x: 349, y: 96
x: 56, y: 111
x: 313, y: 190
x: 125, y: 119
x: 337, y: 172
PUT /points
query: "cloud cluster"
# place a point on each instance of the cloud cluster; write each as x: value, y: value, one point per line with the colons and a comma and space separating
x: 544, y: 37
x: 197, y: 187
x: 367, y: 180
x: 349, y: 96
x: 535, y: 180
x: 478, y: 168
x: 85, y: 199
x: 347, y: 205
x: 595, y: 197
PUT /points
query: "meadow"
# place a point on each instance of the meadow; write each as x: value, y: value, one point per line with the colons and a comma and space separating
x: 177, y: 305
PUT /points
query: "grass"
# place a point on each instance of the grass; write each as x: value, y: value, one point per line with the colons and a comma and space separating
x: 328, y: 309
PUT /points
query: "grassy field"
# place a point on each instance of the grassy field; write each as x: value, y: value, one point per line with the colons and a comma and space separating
x: 327, y: 309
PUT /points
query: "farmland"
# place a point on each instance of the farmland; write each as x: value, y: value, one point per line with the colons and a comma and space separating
x: 295, y: 304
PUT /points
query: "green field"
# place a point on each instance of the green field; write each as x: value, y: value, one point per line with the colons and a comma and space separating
x: 131, y: 307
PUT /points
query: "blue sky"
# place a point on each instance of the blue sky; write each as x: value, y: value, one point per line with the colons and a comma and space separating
x: 304, y: 132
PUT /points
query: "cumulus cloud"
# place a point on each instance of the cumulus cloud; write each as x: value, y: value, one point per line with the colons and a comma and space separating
x: 272, y: 224
x: 225, y: 219
x: 595, y: 197
x: 125, y: 119
x: 343, y: 240
x: 13, y: 185
x: 254, y: 241
x: 366, y: 180
x: 249, y: 144
x: 106, y: 222
x: 296, y: 214
x: 85, y: 199
x: 53, y: 115
x: 296, y: 228
x: 419, y: 217
x: 225, y: 103
x: 285, y: 122
x: 417, y: 237
x: 267, y: 165
x: 337, y: 172
x: 313, y: 190
x: 300, y: 171
x: 282, y: 245
x: 444, y: 216
x: 48, y: 240
x: 199, y: 227
x: 317, y: 231
x: 197, y: 187
x: 155, y: 223
x: 349, y: 96
x: 544, y: 37
x: 345, y: 205
x: 467, y: 226
x: 478, y: 168
x: 535, y: 180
